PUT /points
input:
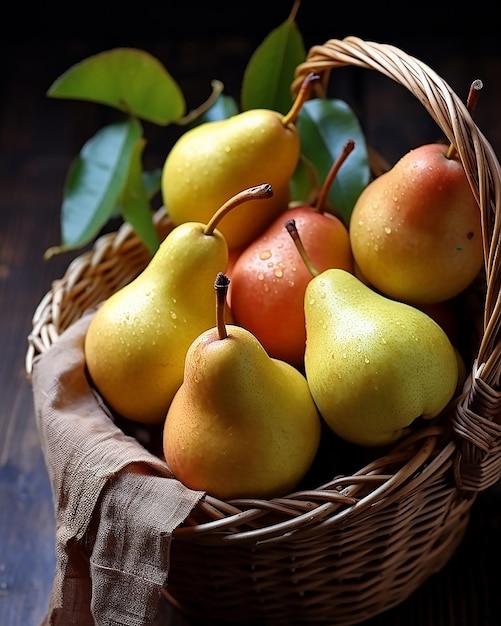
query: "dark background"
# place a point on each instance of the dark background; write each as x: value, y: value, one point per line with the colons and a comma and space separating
x: 199, y: 41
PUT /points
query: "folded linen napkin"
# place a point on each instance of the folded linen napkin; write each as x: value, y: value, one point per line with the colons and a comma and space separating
x: 116, y: 504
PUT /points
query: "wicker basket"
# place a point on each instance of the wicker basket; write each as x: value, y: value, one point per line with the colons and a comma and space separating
x: 358, y: 544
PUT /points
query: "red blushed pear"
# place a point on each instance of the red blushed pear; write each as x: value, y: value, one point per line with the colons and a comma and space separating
x: 268, y: 280
x: 416, y: 230
x: 233, y: 255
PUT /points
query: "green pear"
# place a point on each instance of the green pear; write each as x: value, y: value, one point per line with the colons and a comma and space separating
x: 224, y: 156
x: 373, y: 364
x: 137, y: 340
x: 242, y: 424
x: 415, y: 231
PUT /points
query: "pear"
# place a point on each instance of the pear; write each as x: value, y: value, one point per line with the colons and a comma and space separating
x: 415, y: 231
x: 137, y: 340
x: 267, y: 282
x: 224, y: 156
x: 242, y: 424
x: 374, y: 365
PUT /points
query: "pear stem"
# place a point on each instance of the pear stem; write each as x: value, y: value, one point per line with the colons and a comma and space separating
x: 324, y: 191
x: 217, y: 90
x: 471, y: 104
x: 260, y: 192
x: 221, y: 285
x: 302, y: 96
x: 293, y: 232
x: 294, y: 10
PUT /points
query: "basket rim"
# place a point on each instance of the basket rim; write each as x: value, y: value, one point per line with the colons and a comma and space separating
x: 329, y: 505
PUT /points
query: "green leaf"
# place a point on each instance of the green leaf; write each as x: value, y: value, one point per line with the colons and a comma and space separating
x: 130, y: 80
x: 95, y: 182
x: 152, y: 181
x: 134, y: 200
x: 324, y: 127
x: 269, y: 74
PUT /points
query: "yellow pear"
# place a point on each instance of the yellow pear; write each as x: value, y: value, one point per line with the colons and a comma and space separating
x: 136, y: 342
x: 224, y: 156
x: 242, y: 424
x: 374, y: 365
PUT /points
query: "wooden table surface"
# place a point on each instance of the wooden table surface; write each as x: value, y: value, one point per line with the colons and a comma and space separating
x: 38, y: 138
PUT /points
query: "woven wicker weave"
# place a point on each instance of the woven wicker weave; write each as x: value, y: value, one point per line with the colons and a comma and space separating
x: 346, y: 550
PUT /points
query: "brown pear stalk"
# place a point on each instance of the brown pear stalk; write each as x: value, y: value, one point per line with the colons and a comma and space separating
x: 221, y: 285
x: 321, y: 202
x: 259, y: 192
x: 471, y: 105
x: 290, y: 225
x: 302, y: 96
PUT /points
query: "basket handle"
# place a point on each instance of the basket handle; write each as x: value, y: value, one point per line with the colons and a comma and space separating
x: 477, y: 415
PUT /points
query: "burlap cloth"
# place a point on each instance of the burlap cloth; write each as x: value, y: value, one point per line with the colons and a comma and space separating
x: 116, y: 504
